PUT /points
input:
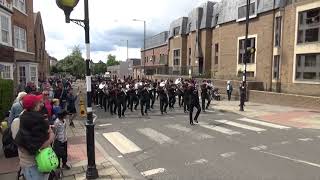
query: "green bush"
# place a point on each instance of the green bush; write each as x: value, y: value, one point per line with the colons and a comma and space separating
x: 6, y: 96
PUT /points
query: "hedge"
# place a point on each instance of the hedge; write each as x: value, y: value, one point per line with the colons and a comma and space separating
x: 6, y: 96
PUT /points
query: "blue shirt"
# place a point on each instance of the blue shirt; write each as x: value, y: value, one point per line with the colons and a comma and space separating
x: 15, y: 111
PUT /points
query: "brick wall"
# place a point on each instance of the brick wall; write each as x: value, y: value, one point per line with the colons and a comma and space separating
x: 227, y: 37
x: 285, y: 99
x: 6, y: 54
x: 178, y: 43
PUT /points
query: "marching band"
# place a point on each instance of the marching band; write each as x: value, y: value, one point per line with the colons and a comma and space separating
x: 116, y: 96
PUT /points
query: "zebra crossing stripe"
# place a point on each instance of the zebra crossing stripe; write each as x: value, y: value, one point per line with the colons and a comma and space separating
x: 153, y: 172
x: 262, y: 123
x: 243, y: 126
x: 121, y: 143
x: 219, y: 129
x: 156, y: 136
x: 196, y: 135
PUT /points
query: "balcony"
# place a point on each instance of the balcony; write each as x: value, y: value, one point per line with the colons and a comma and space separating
x: 7, y: 4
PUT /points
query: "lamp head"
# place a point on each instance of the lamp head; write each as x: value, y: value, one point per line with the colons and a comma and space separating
x: 67, y: 6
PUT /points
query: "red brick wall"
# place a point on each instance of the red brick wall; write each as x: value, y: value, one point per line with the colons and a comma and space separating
x: 25, y: 21
x: 6, y: 54
x: 156, y: 53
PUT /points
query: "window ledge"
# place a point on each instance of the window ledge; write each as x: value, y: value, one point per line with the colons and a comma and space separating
x: 6, y: 44
x: 308, y: 43
x: 243, y: 19
x: 24, y: 13
x: 305, y: 82
x: 23, y: 51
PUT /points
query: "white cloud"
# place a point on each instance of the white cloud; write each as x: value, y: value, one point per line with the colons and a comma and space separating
x: 60, y: 37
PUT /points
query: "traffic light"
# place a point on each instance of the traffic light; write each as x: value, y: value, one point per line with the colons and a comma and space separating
x: 247, y: 55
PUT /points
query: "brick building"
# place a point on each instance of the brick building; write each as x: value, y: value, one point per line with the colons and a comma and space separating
x: 6, y: 48
x: 24, y: 44
x: 41, y: 55
x: 155, y: 56
x: 286, y: 35
x: 136, y: 68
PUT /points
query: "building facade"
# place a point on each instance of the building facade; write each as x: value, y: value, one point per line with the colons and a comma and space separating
x: 41, y: 56
x: 119, y: 71
x: 53, y: 61
x: 23, y: 38
x: 136, y: 68
x: 286, y: 36
x: 155, y: 56
x: 7, y: 63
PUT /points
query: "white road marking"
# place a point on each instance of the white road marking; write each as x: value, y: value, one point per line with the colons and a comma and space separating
x: 305, y: 139
x: 196, y: 135
x: 220, y: 114
x: 292, y: 159
x: 243, y: 126
x: 120, y: 142
x: 212, y: 111
x: 153, y: 172
x: 120, y: 156
x: 259, y: 148
x: 229, y: 154
x: 156, y: 136
x: 200, y: 161
x: 285, y: 142
x: 264, y: 123
x: 219, y: 129
x: 103, y: 125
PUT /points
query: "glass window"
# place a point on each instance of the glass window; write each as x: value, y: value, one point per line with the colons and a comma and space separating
x: 5, y: 29
x: 6, y: 73
x: 22, y: 73
x: 20, y: 5
x: 176, y: 31
x: 20, y: 38
x: 176, y: 57
x: 277, y: 38
x: 309, y: 26
x: 276, y: 67
x: 33, y: 73
x: 251, y: 44
x: 216, y: 50
x: 308, y: 67
x: 242, y: 11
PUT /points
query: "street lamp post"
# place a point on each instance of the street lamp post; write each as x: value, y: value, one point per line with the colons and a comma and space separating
x: 67, y: 6
x: 144, y: 43
x: 243, y: 87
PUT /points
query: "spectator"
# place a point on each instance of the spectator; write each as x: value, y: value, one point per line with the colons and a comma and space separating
x: 47, y: 105
x: 229, y: 90
x: 55, y: 109
x: 16, y: 108
x: 71, y: 100
x: 60, y: 144
x: 60, y: 94
x: 31, y: 132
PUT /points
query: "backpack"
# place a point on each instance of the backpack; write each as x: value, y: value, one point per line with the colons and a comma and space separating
x: 10, y: 149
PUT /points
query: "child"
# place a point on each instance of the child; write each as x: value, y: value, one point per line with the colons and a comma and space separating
x: 60, y: 144
x: 55, y: 109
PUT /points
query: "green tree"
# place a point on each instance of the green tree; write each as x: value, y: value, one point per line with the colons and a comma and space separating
x: 73, y: 63
x: 111, y: 61
x: 54, y: 70
x: 99, y: 68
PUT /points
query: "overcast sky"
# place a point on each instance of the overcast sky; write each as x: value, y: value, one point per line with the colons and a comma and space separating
x: 111, y: 25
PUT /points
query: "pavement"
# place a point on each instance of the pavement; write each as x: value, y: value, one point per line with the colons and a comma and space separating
x: 77, y: 158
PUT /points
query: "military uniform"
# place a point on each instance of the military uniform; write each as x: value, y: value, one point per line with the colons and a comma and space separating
x: 194, y: 102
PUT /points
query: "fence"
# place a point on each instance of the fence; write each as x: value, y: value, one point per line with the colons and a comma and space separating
x: 6, y: 96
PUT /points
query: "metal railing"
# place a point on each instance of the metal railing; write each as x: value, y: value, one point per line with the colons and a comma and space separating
x: 194, y: 71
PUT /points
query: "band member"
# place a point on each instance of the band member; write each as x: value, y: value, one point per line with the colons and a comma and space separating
x: 179, y: 93
x: 153, y: 93
x: 194, y: 102
x: 186, y: 97
x: 143, y: 96
x: 172, y: 95
x: 112, y: 100
x: 121, y: 100
x: 132, y: 94
x: 163, y: 99
x: 105, y: 98
x: 204, y: 94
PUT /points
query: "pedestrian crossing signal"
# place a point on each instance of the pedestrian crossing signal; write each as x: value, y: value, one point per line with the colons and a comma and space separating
x: 82, y: 107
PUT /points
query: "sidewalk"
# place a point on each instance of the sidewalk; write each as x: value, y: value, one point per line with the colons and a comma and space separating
x: 77, y: 158
x: 295, y: 117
